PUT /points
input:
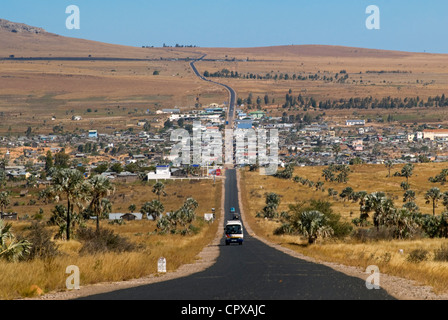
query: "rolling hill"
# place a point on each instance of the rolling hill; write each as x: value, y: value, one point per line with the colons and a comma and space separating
x: 66, y: 87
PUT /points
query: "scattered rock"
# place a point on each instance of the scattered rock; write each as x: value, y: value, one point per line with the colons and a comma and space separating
x: 19, y: 27
x: 36, y: 290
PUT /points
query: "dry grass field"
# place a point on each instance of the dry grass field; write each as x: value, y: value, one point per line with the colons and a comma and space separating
x: 49, y: 274
x: 361, y: 64
x: 125, y: 194
x: 371, y: 178
x: 33, y: 91
x: 118, y: 94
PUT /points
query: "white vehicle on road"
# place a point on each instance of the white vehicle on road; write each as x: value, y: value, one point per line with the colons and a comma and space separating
x: 234, y: 232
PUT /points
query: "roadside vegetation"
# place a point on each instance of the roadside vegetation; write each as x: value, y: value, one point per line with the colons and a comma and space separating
x: 72, y: 228
x: 392, y: 216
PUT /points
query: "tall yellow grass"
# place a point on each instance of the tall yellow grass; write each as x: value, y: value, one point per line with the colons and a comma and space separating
x: 17, y: 279
x: 385, y: 254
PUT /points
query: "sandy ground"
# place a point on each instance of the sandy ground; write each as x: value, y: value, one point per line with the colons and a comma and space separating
x: 399, y: 288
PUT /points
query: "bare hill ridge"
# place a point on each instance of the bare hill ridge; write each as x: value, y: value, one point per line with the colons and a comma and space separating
x: 311, y: 51
x: 25, y: 41
x: 15, y: 27
x: 22, y: 40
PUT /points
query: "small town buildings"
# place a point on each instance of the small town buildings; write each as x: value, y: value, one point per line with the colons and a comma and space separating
x: 129, y: 217
x: 127, y: 177
x: 358, y: 145
x: 257, y: 114
x: 9, y: 216
x: 244, y: 124
x: 355, y: 123
x: 169, y: 111
x: 126, y: 216
x: 433, y: 134
x: 93, y: 134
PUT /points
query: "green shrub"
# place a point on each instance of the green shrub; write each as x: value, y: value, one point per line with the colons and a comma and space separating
x: 41, y: 244
x: 441, y: 254
x: 374, y: 234
x: 104, y: 241
x: 341, y: 229
x: 418, y: 255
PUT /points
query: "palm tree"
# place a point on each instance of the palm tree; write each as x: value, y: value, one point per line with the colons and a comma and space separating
x: 153, y: 208
x: 445, y: 200
x: 405, y: 186
x: 106, y: 208
x: 313, y: 224
x: 68, y: 183
x: 344, y: 170
x: 336, y: 149
x: 328, y: 175
x: 320, y: 185
x: 4, y: 200
x: 159, y: 189
x: 10, y: 248
x: 99, y: 187
x: 403, y: 223
x: 132, y: 207
x: 191, y: 204
x: 273, y: 199
x: 361, y: 198
x: 380, y: 204
x: 188, y: 210
x: 186, y: 215
x: 433, y: 195
x: 409, y: 196
x: 347, y: 194
x: 411, y: 206
x: 407, y: 171
x: 389, y: 165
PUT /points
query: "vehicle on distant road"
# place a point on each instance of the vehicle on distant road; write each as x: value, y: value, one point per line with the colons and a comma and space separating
x: 234, y: 232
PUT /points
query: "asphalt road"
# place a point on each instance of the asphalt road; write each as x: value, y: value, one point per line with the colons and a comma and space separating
x: 231, y: 111
x: 253, y: 271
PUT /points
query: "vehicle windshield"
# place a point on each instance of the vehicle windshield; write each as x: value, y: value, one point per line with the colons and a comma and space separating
x: 233, y: 229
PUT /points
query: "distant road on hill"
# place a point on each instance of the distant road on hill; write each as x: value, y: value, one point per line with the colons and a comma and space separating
x: 232, y: 92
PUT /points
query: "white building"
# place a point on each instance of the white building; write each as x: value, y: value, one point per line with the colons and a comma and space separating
x: 355, y: 122
x: 435, y: 134
x: 162, y: 172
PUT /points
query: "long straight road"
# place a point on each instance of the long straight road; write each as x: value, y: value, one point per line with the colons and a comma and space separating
x: 232, y: 93
x: 254, y: 271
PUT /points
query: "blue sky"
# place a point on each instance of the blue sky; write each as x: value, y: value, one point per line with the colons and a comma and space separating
x: 408, y: 25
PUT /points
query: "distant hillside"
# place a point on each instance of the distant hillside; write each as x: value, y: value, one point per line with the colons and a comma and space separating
x: 277, y: 52
x: 22, y: 40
